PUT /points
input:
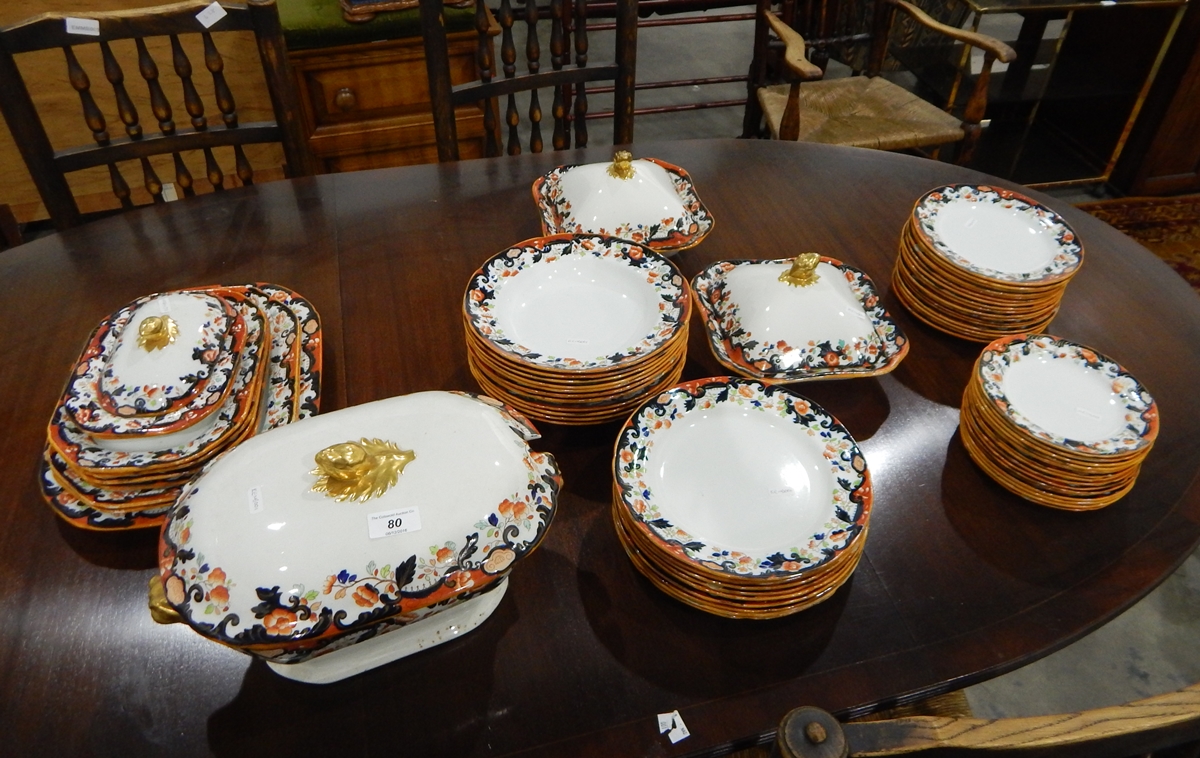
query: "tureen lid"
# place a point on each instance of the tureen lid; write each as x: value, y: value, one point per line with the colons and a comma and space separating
x: 328, y: 526
x: 158, y: 365
x: 644, y: 200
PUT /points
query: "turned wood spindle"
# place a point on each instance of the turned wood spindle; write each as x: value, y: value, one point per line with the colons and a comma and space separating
x: 158, y: 100
x: 581, y: 61
x: 81, y: 83
x: 125, y: 107
x: 533, y: 54
x: 216, y: 66
x: 191, y: 98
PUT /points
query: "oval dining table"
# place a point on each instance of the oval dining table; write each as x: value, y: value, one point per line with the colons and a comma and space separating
x: 961, y: 581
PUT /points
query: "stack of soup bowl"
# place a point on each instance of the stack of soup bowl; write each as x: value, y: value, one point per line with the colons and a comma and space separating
x: 1056, y: 422
x: 979, y: 262
x: 167, y: 383
x: 740, y: 498
x: 576, y: 329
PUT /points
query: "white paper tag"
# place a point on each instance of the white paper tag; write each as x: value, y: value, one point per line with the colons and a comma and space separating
x: 398, y: 521
x: 680, y: 731
x: 88, y: 26
x: 168, y: 192
x: 211, y: 15
x: 254, y: 496
x: 665, y: 720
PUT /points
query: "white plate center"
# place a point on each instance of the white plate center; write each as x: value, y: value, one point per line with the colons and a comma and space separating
x: 994, y: 237
x: 741, y: 478
x: 578, y: 307
x: 1064, y: 398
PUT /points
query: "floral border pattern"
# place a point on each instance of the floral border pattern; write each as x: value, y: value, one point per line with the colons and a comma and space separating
x: 1065, y: 263
x: 850, y: 499
x: 1141, y: 412
x: 487, y: 284
x: 294, y: 624
x: 738, y: 350
x: 668, y: 235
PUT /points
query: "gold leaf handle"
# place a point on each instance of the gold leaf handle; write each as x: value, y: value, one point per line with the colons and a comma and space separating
x: 803, y: 271
x: 359, y: 470
x: 156, y: 332
x: 622, y: 165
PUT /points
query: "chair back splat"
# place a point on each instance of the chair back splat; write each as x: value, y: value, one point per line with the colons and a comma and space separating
x: 569, y: 79
x: 199, y: 130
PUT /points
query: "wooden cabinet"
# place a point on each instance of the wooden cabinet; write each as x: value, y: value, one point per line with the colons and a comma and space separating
x: 367, y: 105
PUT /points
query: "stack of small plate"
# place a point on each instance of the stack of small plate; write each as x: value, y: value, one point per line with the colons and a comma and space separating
x: 979, y: 262
x: 167, y: 383
x: 1056, y: 422
x: 576, y: 329
x: 740, y: 498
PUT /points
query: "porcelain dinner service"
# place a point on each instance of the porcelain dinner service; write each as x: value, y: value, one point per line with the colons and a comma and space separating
x: 576, y: 329
x: 357, y: 537
x: 764, y: 325
x: 740, y: 498
x: 979, y: 262
x: 1056, y: 422
x: 646, y: 200
x: 165, y: 385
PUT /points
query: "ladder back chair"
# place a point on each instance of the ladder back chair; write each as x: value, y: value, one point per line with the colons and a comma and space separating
x: 862, y: 111
x: 1166, y: 726
x: 198, y: 130
x: 568, y: 78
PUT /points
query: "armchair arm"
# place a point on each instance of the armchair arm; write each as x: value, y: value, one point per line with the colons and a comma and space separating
x: 1001, y: 51
x: 793, y: 55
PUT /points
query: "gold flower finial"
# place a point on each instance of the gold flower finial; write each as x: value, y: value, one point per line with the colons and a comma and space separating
x: 359, y: 470
x: 622, y: 166
x: 156, y: 332
x: 803, y: 271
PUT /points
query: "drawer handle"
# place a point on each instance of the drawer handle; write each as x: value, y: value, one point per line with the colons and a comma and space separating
x: 345, y: 100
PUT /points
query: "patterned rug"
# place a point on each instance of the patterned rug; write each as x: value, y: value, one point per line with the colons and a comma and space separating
x: 1168, y: 227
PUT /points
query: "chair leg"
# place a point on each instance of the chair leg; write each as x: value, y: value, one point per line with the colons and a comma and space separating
x: 9, y: 228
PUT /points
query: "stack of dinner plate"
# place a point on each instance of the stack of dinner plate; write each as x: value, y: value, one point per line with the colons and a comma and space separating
x: 576, y: 329
x: 979, y: 262
x: 166, y: 384
x: 1057, y: 423
x: 740, y: 498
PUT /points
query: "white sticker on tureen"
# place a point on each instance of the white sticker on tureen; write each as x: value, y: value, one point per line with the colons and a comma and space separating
x: 398, y: 521
x: 255, y: 498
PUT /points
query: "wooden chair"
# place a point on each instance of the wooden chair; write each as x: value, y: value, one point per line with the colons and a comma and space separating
x: 569, y: 80
x: 862, y: 111
x: 49, y: 167
x: 1167, y: 726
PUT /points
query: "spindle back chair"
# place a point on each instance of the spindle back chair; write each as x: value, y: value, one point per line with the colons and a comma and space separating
x: 49, y: 167
x: 569, y: 78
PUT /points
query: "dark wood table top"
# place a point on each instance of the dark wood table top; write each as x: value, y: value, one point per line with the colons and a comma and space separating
x: 960, y: 581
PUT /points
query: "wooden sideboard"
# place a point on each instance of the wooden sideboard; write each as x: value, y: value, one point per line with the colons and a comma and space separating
x: 367, y: 105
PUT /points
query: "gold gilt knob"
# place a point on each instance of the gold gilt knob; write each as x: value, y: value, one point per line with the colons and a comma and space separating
x: 156, y: 332
x: 359, y: 470
x: 803, y: 271
x: 622, y: 165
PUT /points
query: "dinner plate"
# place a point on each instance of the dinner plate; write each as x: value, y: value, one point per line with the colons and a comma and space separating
x: 1068, y: 395
x: 762, y: 327
x: 800, y: 484
x: 997, y: 233
x: 647, y: 201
